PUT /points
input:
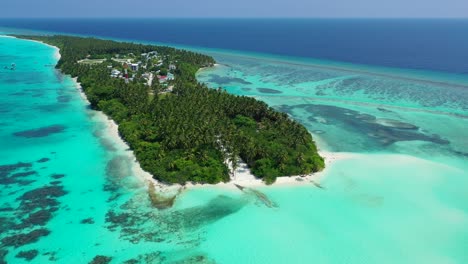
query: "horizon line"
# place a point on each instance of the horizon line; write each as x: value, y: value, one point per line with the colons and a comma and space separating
x: 290, y: 18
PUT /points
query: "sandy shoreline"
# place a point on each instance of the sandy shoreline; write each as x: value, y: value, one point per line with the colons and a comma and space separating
x: 242, y: 175
x: 112, y: 133
x: 245, y: 178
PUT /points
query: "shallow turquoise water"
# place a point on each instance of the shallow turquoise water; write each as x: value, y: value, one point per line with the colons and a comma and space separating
x: 67, y: 190
x: 400, y: 198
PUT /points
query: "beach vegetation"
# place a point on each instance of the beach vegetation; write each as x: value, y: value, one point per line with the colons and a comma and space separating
x: 187, y: 134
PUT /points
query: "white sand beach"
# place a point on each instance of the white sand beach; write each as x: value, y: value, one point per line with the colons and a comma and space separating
x: 243, y: 177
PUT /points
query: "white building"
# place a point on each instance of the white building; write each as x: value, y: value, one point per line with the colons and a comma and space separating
x: 115, y: 73
x: 134, y: 66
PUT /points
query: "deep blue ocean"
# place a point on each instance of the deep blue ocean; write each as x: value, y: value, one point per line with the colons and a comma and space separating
x: 437, y: 45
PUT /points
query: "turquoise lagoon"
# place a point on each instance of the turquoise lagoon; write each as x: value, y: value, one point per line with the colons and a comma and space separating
x: 398, y: 198
x: 69, y: 192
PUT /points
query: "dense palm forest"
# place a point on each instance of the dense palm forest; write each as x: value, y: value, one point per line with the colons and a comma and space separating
x: 187, y: 135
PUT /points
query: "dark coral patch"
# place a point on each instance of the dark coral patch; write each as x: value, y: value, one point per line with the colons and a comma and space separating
x: 3, y: 254
x: 41, y: 198
x: 52, y: 256
x: 223, y: 80
x: 119, y: 219
x: 23, y: 174
x: 89, y: 220
x: 6, y: 209
x: 270, y: 91
x: 27, y: 255
x: 101, y: 260
x: 7, y: 179
x: 43, y: 160
x: 39, y: 218
x: 24, y: 239
x: 154, y: 257
x: 57, y: 176
x: 46, y: 191
x: 40, y: 132
x: 35, y: 210
x: 5, y: 223
x: 9, y: 168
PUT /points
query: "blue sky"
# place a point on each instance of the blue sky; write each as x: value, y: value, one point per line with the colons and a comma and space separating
x: 234, y: 8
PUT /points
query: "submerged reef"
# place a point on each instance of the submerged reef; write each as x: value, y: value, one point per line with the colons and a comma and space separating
x: 101, y: 260
x: 19, y: 240
x: 40, y: 132
x: 24, y: 223
x: 269, y: 91
x: 28, y: 255
x: 380, y: 131
x: 88, y: 220
x: 180, y: 227
x: 223, y: 80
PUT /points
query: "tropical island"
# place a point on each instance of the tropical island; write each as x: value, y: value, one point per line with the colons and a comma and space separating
x: 179, y: 129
